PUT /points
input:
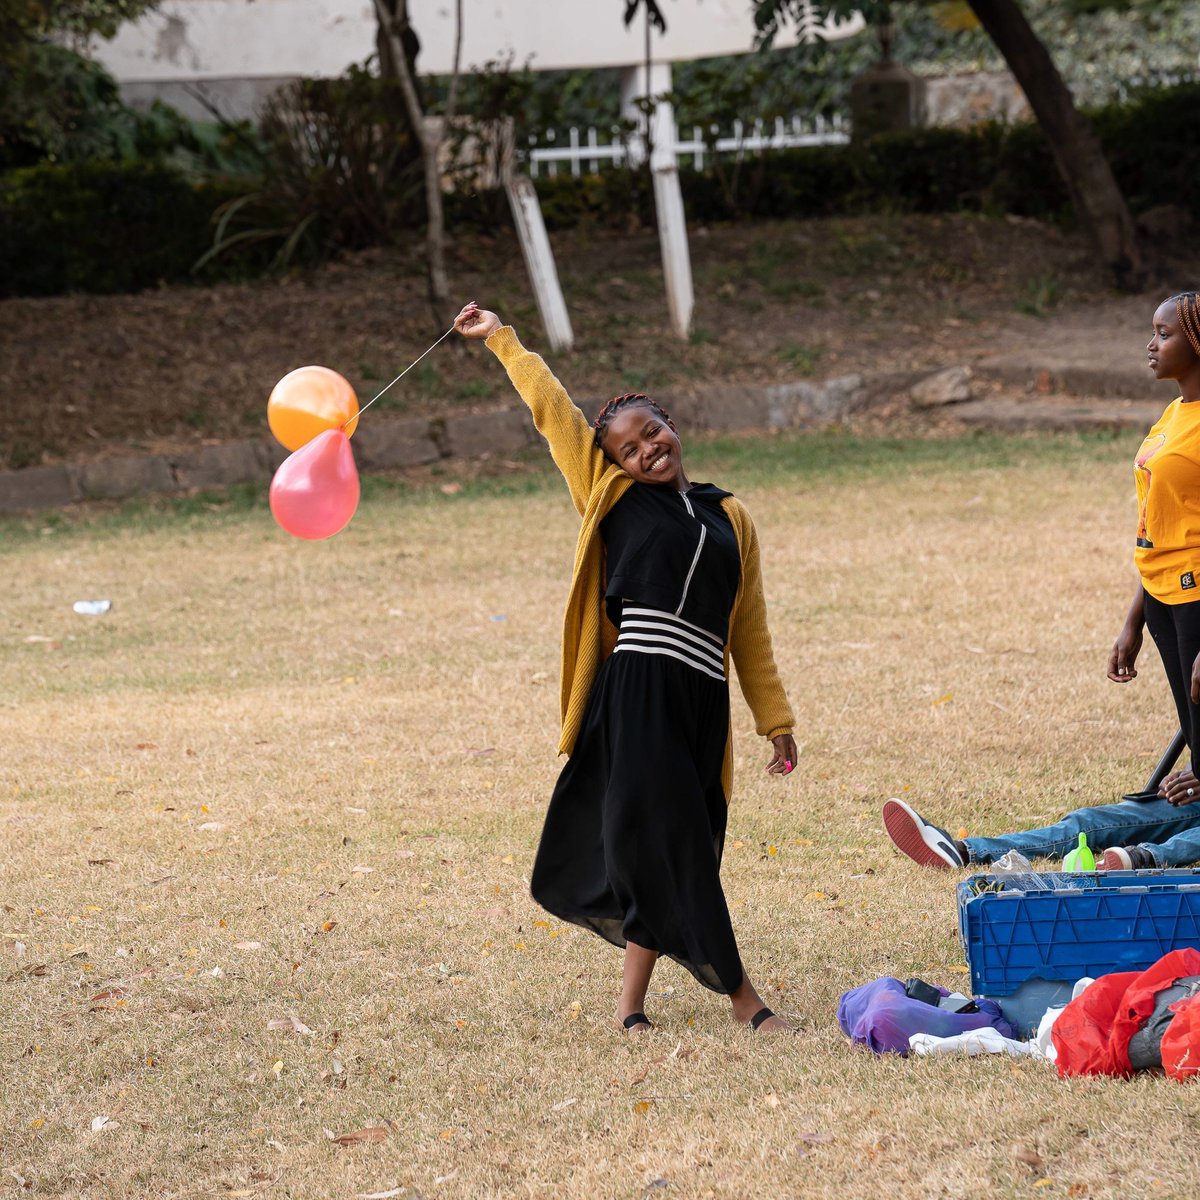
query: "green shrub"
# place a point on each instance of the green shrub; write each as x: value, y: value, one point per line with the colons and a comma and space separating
x: 101, y: 227
x: 1153, y: 144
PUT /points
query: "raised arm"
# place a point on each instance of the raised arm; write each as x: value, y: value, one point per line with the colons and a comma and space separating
x: 558, y: 419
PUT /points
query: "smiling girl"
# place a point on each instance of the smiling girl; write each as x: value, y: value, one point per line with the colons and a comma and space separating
x: 1167, y: 599
x: 667, y: 589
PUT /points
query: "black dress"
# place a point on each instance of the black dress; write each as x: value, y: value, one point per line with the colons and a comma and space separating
x: 632, y: 843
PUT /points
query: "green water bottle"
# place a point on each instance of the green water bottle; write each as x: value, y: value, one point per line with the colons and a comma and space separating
x: 1081, y: 858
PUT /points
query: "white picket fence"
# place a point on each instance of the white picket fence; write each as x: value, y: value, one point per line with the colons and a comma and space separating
x: 589, y: 154
x: 1159, y: 79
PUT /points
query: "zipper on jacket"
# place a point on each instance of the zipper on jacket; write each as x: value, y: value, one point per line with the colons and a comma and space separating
x: 687, y: 583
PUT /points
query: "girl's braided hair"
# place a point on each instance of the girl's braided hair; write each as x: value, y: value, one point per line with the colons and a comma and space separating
x: 1187, y: 310
x: 614, y: 406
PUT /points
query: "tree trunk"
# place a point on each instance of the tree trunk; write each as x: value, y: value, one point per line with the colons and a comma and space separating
x: 395, y: 37
x: 1076, y: 149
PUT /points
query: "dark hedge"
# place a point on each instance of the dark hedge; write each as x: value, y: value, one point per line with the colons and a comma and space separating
x: 112, y: 227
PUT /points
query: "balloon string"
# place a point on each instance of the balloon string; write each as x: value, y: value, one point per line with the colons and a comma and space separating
x: 402, y: 374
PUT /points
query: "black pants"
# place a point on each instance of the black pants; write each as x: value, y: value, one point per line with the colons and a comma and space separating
x: 1175, y: 629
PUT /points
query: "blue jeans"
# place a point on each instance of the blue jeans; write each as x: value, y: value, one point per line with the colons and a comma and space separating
x: 1170, y: 834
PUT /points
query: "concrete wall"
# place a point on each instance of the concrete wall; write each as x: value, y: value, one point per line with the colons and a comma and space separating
x: 239, y: 48
x: 965, y: 100
x: 390, y: 443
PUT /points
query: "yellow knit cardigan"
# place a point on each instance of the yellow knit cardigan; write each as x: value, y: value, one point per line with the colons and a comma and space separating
x: 596, y: 485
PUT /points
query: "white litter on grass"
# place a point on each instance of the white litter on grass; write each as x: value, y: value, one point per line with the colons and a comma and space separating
x: 92, y: 608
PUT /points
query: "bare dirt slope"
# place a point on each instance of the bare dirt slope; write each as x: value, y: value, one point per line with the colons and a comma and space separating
x: 95, y: 376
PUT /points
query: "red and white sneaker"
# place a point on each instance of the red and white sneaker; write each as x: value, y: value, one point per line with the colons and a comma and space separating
x: 923, y: 842
x: 1125, y: 858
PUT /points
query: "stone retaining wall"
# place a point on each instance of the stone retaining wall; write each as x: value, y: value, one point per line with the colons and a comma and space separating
x: 383, y: 443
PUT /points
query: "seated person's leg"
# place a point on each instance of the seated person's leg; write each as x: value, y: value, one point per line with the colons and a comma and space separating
x: 1182, y: 849
x: 1125, y: 824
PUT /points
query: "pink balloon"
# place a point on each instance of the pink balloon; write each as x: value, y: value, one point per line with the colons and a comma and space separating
x: 315, y: 490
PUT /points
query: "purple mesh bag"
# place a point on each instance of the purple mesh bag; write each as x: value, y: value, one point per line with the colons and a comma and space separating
x: 881, y: 1016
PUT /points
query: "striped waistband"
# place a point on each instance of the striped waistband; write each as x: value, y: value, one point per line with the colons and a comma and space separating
x: 649, y: 631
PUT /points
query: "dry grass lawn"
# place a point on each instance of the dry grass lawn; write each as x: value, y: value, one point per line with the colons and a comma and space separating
x: 286, y: 780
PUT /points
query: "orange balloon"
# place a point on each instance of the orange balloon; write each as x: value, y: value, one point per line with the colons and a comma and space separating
x: 308, y: 401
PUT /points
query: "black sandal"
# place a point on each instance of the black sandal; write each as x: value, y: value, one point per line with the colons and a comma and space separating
x: 637, y: 1018
x: 763, y: 1014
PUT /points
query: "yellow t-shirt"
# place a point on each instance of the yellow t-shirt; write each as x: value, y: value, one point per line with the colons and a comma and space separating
x: 1167, y: 472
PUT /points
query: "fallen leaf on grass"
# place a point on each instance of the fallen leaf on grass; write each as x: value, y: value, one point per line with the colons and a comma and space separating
x: 372, y: 1133
x: 112, y: 993
x: 1027, y: 1155
x: 943, y: 699
x: 816, y: 1139
x: 147, y: 745
x: 643, y: 1106
x: 101, y: 862
x: 213, y: 826
x: 32, y: 969
x: 564, y: 1104
x: 361, y: 870
x: 771, y: 1100
x: 640, y: 1077
x: 396, y: 1191
x: 247, y: 945
x: 104, y: 1122
x: 1044, y: 1183
x: 291, y: 1023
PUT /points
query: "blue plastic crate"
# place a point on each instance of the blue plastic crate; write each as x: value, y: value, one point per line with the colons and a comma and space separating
x: 1025, y: 949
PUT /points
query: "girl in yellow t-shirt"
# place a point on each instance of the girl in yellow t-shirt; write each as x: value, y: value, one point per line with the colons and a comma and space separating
x: 1133, y: 834
x: 1167, y: 550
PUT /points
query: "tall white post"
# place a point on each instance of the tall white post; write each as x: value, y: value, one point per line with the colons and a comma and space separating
x: 654, y: 82
x: 539, y: 260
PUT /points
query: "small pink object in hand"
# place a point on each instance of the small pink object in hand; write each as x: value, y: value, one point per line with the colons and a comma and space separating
x: 788, y: 766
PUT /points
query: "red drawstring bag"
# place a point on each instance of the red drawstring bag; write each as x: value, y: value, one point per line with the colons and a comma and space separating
x: 1092, y: 1034
x: 1083, y: 1031
x: 1181, y: 1042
